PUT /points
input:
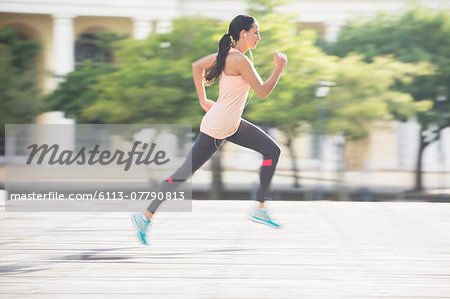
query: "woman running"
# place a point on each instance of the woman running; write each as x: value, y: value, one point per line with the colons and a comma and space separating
x: 222, y: 120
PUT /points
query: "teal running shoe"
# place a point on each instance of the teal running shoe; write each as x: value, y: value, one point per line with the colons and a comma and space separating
x: 141, y: 226
x: 262, y: 216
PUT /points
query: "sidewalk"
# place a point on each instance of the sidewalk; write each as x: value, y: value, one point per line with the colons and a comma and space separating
x: 325, y: 250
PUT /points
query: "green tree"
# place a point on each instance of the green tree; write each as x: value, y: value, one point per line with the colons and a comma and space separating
x: 418, y: 35
x: 153, y: 82
x: 363, y: 95
x: 20, y: 99
x: 76, y: 92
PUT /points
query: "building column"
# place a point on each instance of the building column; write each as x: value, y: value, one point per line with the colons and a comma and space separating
x: 63, y: 45
x: 142, y: 27
x: 164, y: 26
x: 332, y: 30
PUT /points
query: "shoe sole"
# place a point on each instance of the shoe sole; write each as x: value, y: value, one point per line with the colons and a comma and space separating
x: 138, y: 231
x: 262, y: 221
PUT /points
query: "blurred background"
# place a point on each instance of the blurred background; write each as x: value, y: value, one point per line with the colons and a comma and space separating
x: 362, y: 111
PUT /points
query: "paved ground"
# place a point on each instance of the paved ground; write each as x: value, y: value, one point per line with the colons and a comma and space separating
x: 325, y: 250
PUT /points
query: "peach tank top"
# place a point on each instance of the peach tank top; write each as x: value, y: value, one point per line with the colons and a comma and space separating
x: 223, y: 118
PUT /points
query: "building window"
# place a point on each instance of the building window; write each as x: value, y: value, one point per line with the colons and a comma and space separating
x: 86, y: 47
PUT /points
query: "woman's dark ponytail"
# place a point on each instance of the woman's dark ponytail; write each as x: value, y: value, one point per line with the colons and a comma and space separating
x: 226, y: 42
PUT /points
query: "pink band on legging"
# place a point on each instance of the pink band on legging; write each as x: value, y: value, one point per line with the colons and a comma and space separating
x: 170, y: 180
x: 267, y: 162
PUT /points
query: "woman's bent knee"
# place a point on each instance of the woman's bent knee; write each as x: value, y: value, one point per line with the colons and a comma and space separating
x: 273, y: 153
x: 277, y: 151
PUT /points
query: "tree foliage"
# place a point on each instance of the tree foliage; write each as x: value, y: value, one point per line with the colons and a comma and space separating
x: 20, y: 101
x: 153, y: 82
x: 364, y: 94
x: 418, y: 35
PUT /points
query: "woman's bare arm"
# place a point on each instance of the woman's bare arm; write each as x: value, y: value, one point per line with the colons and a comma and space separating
x: 198, y: 68
x: 249, y: 74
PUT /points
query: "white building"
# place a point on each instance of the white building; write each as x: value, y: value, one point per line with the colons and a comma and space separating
x: 57, y: 24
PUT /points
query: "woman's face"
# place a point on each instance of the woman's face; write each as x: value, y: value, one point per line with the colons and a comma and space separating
x: 253, y: 36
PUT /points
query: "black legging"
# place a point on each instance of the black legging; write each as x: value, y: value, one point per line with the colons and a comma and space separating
x: 247, y: 135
